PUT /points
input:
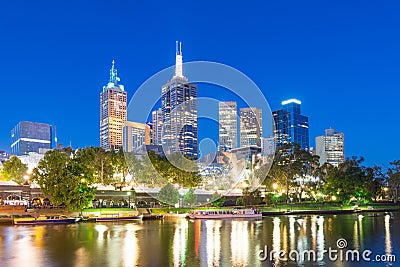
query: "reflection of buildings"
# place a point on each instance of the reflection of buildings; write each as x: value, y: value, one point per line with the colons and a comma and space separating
x: 330, y: 147
x: 179, y: 111
x: 112, y: 112
x: 290, y: 125
x: 134, y: 135
x: 250, y: 126
x: 227, y: 125
x: 30, y: 137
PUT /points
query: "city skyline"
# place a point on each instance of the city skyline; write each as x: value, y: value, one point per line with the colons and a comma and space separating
x: 334, y: 64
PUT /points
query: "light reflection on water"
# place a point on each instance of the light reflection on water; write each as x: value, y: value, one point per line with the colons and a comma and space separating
x: 180, y: 242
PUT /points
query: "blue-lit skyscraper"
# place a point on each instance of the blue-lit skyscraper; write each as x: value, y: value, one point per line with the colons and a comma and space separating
x: 30, y: 137
x: 290, y: 125
x: 179, y: 112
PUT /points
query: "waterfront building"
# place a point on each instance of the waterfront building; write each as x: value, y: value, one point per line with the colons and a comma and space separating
x: 113, y: 103
x: 290, y: 125
x: 30, y: 137
x: 250, y: 127
x: 330, y: 147
x: 179, y: 112
x: 227, y: 118
x: 135, y: 134
x: 157, y: 127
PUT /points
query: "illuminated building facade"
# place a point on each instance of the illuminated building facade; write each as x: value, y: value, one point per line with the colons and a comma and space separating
x: 113, y: 103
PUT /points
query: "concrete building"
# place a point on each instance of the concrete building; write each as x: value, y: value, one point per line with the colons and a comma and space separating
x: 157, y: 127
x: 179, y: 111
x: 135, y: 134
x: 29, y: 137
x: 113, y: 103
x: 330, y: 147
x: 227, y: 118
x: 250, y: 127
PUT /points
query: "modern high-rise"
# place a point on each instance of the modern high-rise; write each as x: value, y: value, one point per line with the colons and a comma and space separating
x: 290, y: 125
x: 330, y: 147
x: 112, y: 112
x: 30, y: 137
x: 227, y: 118
x: 179, y: 111
x: 250, y: 127
x: 157, y: 127
x: 135, y: 134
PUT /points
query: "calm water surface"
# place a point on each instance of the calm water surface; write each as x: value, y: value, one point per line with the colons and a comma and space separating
x: 181, y: 242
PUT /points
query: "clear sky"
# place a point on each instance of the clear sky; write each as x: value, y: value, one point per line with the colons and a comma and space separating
x: 340, y: 58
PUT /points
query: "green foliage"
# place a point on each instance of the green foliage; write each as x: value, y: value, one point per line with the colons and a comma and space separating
x: 154, y: 170
x: 393, y: 180
x: 168, y: 194
x: 100, y: 163
x: 190, y: 198
x: 239, y: 201
x: 251, y: 198
x: 14, y: 169
x: 65, y: 178
x: 217, y: 200
x: 290, y: 162
x: 349, y: 180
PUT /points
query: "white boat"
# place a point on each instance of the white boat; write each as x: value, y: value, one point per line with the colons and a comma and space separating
x: 225, y: 214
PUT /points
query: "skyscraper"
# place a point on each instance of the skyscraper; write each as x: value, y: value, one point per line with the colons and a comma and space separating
x: 227, y: 113
x: 330, y: 147
x: 290, y: 125
x: 135, y: 134
x: 30, y: 137
x: 250, y: 126
x: 112, y: 112
x: 157, y: 127
x: 179, y: 111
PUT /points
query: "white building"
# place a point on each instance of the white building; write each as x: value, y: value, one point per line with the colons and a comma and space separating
x: 330, y: 147
x: 227, y: 116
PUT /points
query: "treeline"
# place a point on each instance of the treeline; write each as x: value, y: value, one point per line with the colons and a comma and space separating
x: 296, y: 173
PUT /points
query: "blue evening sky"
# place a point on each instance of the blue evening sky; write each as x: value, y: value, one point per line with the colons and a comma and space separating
x: 340, y: 58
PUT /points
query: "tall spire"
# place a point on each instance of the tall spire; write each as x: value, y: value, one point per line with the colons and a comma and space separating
x: 178, y: 60
x: 113, y: 73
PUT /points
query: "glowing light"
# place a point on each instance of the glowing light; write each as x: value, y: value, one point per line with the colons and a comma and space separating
x: 291, y: 101
x: 275, y: 186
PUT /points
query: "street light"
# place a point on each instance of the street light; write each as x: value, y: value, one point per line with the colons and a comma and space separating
x: 275, y: 186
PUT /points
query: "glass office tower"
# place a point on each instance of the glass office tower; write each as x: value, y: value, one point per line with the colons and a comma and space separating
x: 290, y: 125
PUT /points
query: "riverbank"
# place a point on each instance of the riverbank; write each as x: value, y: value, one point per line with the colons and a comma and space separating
x: 6, y: 216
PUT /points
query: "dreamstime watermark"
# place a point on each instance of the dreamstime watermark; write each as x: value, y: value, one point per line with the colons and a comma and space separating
x: 340, y: 253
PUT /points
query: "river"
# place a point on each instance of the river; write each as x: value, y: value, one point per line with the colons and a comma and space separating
x: 181, y: 242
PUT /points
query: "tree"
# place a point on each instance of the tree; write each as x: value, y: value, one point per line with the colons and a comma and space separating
x: 291, y: 162
x: 100, y: 161
x: 217, y: 200
x: 190, y: 198
x: 66, y: 179
x: 169, y: 194
x: 394, y: 179
x: 350, y: 180
x: 119, y: 164
x: 251, y: 198
x: 14, y: 169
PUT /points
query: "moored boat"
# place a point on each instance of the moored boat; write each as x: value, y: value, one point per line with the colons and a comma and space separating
x: 114, y: 217
x: 45, y: 219
x: 225, y: 214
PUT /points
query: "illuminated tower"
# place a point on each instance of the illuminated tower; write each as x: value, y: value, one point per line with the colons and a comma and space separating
x: 227, y: 116
x: 179, y: 112
x: 112, y: 112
